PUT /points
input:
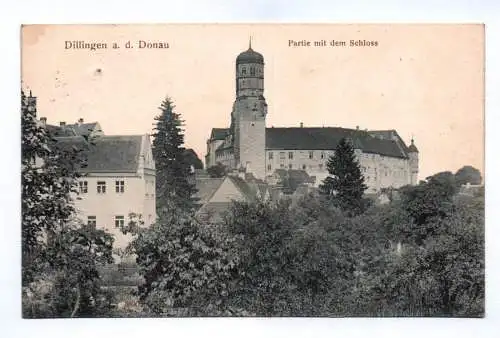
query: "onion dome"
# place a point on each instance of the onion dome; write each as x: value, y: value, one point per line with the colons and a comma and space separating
x: 250, y: 56
x: 412, y: 148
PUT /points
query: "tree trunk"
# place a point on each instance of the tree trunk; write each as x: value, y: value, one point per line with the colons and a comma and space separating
x: 77, y: 303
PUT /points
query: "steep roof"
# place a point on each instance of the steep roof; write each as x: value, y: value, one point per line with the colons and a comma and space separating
x: 206, y: 188
x: 250, y: 56
x: 245, y: 189
x: 412, y: 148
x: 219, y: 133
x: 106, y: 154
x: 327, y: 138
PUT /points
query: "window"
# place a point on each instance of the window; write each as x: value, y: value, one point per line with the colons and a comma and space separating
x: 282, y: 165
x: 290, y: 166
x: 83, y: 187
x: 320, y: 166
x: 101, y: 187
x: 120, y: 186
x: 271, y: 155
x: 311, y: 154
x: 269, y: 167
x: 119, y: 221
x: 322, y: 155
x: 243, y: 70
x: 92, y: 221
x: 252, y: 70
x: 303, y: 167
x: 290, y: 155
x: 282, y: 155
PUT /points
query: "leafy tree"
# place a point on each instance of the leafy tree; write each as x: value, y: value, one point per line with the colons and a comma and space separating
x: 60, y: 256
x: 174, y: 184
x: 468, y: 174
x: 217, y: 171
x: 443, y: 275
x: 262, y: 233
x: 345, y: 183
x: 421, y: 205
x: 186, y: 268
x: 192, y: 159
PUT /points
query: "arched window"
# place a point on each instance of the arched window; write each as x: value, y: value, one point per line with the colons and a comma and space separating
x: 243, y: 70
x: 252, y: 70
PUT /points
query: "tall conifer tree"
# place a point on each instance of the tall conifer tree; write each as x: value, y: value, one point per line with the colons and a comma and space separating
x: 174, y: 180
x: 345, y: 184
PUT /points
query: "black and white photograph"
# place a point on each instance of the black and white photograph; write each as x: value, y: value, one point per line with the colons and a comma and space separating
x: 252, y: 170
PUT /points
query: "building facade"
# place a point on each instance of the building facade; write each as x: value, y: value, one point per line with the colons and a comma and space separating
x: 385, y: 160
x: 117, y: 180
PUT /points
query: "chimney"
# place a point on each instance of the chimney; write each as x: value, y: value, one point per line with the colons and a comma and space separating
x: 301, y: 125
x: 43, y: 120
x: 80, y: 120
x: 62, y: 123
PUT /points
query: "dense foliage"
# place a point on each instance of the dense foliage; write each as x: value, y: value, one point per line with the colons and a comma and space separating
x: 60, y: 255
x: 468, y: 174
x: 192, y: 159
x: 217, y: 171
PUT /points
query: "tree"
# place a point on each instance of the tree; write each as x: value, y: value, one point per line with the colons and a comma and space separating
x: 186, y: 267
x: 468, y: 174
x: 217, y: 171
x: 174, y: 179
x: 60, y: 255
x: 443, y: 274
x: 192, y: 159
x: 345, y: 183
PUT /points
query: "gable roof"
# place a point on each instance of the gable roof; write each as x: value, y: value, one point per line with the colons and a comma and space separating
x: 327, y: 138
x: 219, y: 133
x: 206, y: 188
x: 106, y: 154
x: 245, y: 189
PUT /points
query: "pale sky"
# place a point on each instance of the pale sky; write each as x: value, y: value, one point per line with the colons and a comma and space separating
x: 422, y: 80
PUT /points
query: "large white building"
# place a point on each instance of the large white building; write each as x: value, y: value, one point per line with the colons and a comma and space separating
x: 118, y: 178
x: 385, y: 159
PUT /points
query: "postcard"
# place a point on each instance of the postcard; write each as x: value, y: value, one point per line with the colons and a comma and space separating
x: 253, y: 170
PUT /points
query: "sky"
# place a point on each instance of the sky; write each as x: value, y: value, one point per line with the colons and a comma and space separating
x: 425, y: 81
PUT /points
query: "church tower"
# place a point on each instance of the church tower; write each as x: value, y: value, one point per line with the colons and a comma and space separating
x: 248, y: 118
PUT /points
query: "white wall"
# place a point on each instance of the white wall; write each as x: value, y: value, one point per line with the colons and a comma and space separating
x: 379, y: 171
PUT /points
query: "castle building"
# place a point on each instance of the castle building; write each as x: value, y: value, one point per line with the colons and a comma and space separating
x: 385, y: 160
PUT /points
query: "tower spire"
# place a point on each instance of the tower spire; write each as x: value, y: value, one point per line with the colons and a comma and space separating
x: 250, y: 42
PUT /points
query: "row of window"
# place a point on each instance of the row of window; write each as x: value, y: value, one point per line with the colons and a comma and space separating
x: 244, y: 70
x: 119, y: 221
x: 290, y: 166
x: 282, y: 155
x: 101, y: 187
